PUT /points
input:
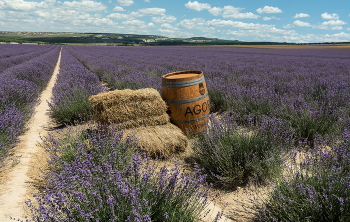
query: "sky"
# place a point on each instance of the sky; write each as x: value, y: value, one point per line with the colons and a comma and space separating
x: 298, y: 21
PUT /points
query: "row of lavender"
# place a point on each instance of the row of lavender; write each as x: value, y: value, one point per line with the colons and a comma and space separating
x: 14, y: 55
x: 74, y: 85
x: 309, y: 88
x: 14, y: 50
x: 20, y: 86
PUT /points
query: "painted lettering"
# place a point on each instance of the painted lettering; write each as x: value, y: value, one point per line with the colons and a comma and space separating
x: 204, y: 106
x: 198, y: 109
x: 188, y: 110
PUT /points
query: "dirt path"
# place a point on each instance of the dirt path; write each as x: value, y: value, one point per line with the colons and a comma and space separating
x: 16, y: 179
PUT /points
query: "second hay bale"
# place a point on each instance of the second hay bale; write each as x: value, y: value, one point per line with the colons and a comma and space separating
x: 159, y: 141
x: 131, y: 108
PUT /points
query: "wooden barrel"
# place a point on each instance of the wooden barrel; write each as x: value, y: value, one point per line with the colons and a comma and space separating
x: 186, y: 95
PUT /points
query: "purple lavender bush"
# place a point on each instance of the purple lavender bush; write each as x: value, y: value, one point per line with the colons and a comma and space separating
x: 318, y: 191
x: 95, y: 177
x: 15, y: 55
x: 20, y: 86
x: 11, y: 125
x: 74, y: 85
x: 232, y: 156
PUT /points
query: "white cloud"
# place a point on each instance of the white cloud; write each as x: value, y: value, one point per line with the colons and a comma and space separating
x: 338, y: 37
x: 43, y: 14
x: 77, y: 18
x: 152, y: 11
x: 234, y: 27
x: 85, y: 5
x: 263, y: 33
x: 118, y: 9
x: 147, y: 1
x: 119, y: 16
x: 269, y: 9
x: 151, y: 25
x: 216, y: 11
x: 196, y: 6
x: 196, y: 23
x: 331, y: 25
x: 232, y: 12
x: 270, y: 18
x: 175, y: 33
x: 236, y: 24
x: 135, y: 14
x: 100, y: 22
x: 328, y: 27
x: 169, y: 26
x: 301, y: 15
x: 23, y: 6
x: 329, y: 16
x: 125, y: 2
x: 220, y: 22
x: 301, y: 23
x: 289, y: 26
x: 164, y: 19
x: 344, y: 35
x: 192, y: 23
x: 134, y: 23
x: 334, y: 22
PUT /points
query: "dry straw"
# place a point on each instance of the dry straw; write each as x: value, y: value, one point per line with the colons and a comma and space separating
x: 159, y: 141
x: 146, y: 121
x: 131, y: 108
x: 141, y: 114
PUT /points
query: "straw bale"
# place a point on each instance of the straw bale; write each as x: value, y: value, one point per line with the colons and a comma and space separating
x: 159, y: 141
x: 127, y: 105
x: 146, y: 121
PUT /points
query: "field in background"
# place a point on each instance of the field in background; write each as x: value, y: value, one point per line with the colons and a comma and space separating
x: 268, y: 104
x: 302, y: 46
x: 118, y: 39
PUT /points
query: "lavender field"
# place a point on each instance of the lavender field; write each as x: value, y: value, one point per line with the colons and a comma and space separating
x: 24, y: 73
x: 269, y: 106
x: 307, y: 88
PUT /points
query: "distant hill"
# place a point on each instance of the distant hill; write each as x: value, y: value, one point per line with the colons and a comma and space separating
x: 116, y: 39
x: 109, y: 39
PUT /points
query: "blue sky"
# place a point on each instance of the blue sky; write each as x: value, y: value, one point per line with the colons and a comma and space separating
x: 245, y: 20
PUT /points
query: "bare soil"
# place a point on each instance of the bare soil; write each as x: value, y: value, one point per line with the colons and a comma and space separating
x: 26, y: 160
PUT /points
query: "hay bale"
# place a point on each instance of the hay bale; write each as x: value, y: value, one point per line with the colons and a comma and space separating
x: 146, y: 121
x: 133, y: 108
x: 159, y: 141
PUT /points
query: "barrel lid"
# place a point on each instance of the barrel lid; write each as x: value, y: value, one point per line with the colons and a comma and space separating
x: 182, y: 74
